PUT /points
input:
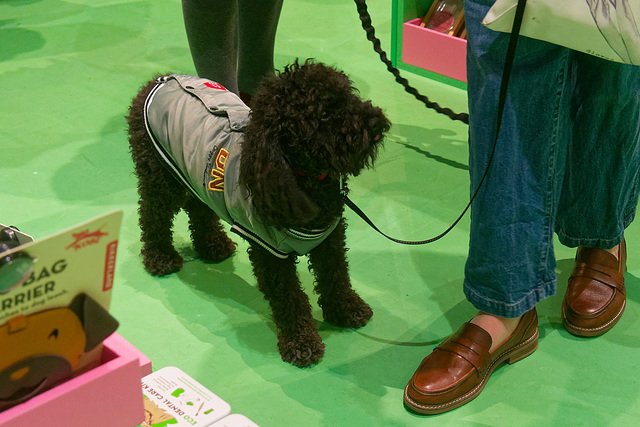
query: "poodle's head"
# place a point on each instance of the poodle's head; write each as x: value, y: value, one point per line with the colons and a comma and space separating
x: 308, y: 129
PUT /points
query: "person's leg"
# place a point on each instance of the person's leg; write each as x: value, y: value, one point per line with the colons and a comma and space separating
x: 258, y: 22
x: 600, y: 191
x: 212, y: 32
x: 510, y: 266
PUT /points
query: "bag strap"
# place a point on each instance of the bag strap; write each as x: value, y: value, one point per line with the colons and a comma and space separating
x: 506, y: 73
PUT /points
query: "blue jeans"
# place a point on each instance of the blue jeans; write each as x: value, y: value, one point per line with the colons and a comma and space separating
x: 567, y: 161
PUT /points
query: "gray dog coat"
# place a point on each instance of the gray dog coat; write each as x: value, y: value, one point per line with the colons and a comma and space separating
x: 196, y: 127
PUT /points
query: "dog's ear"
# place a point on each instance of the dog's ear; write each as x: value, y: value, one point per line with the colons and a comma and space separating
x: 272, y: 184
x: 97, y: 323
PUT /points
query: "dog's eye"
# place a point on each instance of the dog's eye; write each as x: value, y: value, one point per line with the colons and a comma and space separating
x: 54, y: 334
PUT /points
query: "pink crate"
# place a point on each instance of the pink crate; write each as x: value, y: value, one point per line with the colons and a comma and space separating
x: 109, y: 395
x: 434, y: 51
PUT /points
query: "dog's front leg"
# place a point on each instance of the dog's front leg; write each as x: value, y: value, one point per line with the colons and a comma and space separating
x: 341, y: 305
x: 298, y: 339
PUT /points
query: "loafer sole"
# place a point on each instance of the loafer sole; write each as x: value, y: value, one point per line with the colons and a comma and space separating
x: 510, y: 356
x: 591, y: 332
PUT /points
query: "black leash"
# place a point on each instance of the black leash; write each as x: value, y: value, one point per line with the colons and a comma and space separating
x: 371, y: 36
x: 506, y: 74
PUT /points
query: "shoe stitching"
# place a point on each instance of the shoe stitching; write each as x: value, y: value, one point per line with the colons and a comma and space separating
x: 478, y: 388
x: 474, y: 392
x: 614, y: 320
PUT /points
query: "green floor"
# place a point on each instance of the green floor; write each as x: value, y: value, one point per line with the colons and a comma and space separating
x: 67, y: 72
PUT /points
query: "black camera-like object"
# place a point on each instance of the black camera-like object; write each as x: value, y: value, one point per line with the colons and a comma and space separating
x: 15, y: 267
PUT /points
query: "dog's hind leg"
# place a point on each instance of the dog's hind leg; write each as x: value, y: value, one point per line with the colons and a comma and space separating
x: 341, y: 305
x: 161, y: 196
x: 298, y: 339
x: 156, y: 222
x: 207, y: 234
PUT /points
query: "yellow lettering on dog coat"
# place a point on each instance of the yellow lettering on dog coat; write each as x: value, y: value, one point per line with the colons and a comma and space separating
x: 217, y: 173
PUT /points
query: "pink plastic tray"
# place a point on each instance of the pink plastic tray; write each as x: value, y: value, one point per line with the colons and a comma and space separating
x: 109, y: 395
x: 434, y: 51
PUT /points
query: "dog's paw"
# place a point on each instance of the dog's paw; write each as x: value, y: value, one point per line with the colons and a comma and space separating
x: 217, y: 251
x: 159, y: 263
x: 349, y: 312
x: 305, y: 349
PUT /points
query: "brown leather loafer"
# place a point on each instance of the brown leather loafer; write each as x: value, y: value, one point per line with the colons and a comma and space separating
x: 595, y: 297
x: 458, y: 369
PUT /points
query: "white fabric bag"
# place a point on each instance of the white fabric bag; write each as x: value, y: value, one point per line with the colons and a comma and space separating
x: 604, y: 28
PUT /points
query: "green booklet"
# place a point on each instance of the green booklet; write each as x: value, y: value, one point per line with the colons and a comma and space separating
x: 173, y: 398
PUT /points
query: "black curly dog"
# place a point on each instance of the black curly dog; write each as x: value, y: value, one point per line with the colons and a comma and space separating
x: 311, y: 112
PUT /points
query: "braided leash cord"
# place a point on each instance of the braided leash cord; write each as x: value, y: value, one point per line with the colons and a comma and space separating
x: 365, y: 18
x: 463, y: 117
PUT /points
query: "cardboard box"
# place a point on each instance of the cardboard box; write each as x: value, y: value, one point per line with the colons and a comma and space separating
x: 106, y: 396
x: 434, y: 51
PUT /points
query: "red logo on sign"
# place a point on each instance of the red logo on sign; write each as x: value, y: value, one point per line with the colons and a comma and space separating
x: 86, y: 238
x: 213, y: 85
x: 110, y: 265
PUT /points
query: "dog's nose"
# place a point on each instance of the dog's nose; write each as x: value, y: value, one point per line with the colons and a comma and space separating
x: 20, y: 373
